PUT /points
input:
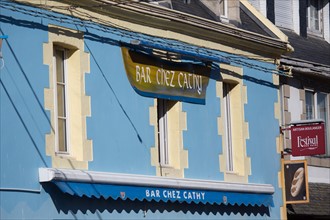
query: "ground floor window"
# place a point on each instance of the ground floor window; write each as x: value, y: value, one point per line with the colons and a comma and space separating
x: 162, y: 108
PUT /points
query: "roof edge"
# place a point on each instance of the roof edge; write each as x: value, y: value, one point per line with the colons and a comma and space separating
x: 263, y: 21
x: 306, y: 68
x: 160, y: 17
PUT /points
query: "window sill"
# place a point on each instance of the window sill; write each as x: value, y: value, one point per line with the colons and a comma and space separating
x: 168, y: 166
x: 224, y: 19
x: 232, y: 173
x: 63, y: 155
x: 314, y: 33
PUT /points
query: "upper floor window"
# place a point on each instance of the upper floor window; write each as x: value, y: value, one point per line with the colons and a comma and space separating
x: 314, y: 16
x: 223, y: 8
x: 60, y: 70
x: 317, y: 107
x: 232, y: 127
x: 67, y: 143
x: 310, y: 112
x: 228, y: 125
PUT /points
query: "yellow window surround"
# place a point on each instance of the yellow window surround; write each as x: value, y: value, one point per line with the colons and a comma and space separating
x: 78, y: 104
x: 178, y: 157
x: 239, y: 128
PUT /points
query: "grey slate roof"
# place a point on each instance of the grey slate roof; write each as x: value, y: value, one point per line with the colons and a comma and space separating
x: 312, y: 49
x: 247, y: 23
x: 194, y: 8
x: 319, y: 205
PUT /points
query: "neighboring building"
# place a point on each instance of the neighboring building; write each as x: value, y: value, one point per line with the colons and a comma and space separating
x: 306, y: 94
x: 132, y: 110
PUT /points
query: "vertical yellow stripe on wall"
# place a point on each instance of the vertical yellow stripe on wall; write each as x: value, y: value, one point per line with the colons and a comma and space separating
x: 279, y: 146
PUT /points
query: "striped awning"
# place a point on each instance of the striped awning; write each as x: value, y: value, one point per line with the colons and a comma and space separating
x: 149, y: 188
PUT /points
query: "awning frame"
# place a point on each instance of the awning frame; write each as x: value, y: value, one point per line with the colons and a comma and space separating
x: 84, y: 176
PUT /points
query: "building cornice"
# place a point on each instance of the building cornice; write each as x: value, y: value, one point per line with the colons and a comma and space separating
x: 305, y: 67
x: 153, y: 16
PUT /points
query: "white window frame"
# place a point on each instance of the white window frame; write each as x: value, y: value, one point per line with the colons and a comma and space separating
x: 310, y: 29
x: 228, y: 127
x: 56, y: 116
x: 317, y: 116
x: 162, y: 114
x: 315, y: 106
x: 225, y: 10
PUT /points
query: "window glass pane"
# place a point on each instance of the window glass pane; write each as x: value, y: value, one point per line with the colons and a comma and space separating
x: 227, y: 115
x: 309, y: 100
x: 61, y: 101
x: 321, y: 106
x: 62, y: 135
x: 59, y: 54
x: 322, y: 114
x: 163, y: 132
x: 61, y: 128
x: 222, y: 7
x: 314, y: 14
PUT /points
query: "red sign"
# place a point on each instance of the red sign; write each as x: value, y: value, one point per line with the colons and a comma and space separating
x: 308, y: 140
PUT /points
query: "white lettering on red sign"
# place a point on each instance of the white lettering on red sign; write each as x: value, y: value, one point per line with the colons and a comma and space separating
x: 308, y: 142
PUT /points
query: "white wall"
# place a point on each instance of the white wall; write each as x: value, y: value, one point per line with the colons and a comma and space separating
x: 295, y: 104
x: 318, y: 174
x: 295, y: 17
x: 326, y: 24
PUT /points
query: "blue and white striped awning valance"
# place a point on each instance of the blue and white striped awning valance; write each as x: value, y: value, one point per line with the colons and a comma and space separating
x: 139, y: 187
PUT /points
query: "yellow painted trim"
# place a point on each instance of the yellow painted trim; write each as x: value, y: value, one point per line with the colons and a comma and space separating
x: 277, y: 111
x: 279, y: 148
x: 240, y: 128
x: 264, y: 20
x: 283, y: 213
x: 178, y: 155
x: 79, y: 105
x: 282, y: 186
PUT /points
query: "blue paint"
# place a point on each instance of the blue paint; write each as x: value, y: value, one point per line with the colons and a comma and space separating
x: 204, y: 148
x: 120, y: 120
x: 184, y: 52
x: 119, y: 127
x: 157, y: 194
x: 263, y: 128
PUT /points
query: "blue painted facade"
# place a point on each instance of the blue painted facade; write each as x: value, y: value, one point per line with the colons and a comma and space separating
x: 119, y: 127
